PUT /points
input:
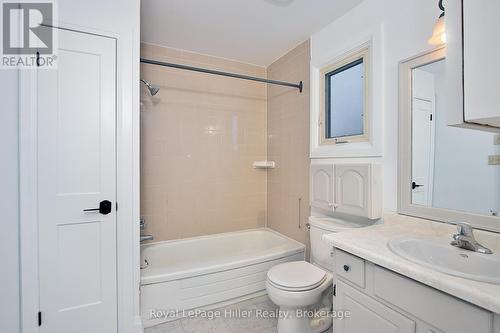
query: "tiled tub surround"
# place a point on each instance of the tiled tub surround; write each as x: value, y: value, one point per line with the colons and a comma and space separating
x: 199, y: 137
x: 371, y: 244
x: 288, y: 145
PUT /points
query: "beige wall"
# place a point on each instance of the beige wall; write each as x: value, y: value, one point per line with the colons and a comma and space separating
x: 288, y: 145
x: 199, y: 137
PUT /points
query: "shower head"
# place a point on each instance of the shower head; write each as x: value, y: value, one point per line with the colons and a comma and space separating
x: 153, y: 89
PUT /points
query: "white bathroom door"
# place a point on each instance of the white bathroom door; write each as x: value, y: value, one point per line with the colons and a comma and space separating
x: 422, y: 152
x: 76, y: 171
x: 423, y: 132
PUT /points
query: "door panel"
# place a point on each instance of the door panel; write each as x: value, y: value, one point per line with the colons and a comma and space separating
x: 76, y: 171
x: 422, y: 149
x: 367, y: 315
x: 78, y: 123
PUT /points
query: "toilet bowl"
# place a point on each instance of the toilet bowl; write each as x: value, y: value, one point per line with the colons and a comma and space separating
x: 297, y: 286
x: 294, y: 287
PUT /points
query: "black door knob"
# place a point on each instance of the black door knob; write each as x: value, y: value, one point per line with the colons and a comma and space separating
x: 346, y: 268
x: 415, y: 185
x: 104, y: 208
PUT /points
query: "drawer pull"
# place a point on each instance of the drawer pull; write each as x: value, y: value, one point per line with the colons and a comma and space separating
x: 346, y: 268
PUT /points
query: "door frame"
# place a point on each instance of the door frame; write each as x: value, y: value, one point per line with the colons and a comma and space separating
x: 127, y: 189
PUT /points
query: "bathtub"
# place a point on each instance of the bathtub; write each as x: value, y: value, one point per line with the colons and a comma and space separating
x: 209, y: 271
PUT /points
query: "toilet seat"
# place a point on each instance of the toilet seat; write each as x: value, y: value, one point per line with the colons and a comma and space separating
x: 295, y: 298
x: 296, y: 276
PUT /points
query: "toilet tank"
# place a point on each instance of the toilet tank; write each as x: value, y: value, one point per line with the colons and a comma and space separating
x: 321, y: 251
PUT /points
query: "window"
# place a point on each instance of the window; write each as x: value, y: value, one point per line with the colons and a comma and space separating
x: 344, y: 111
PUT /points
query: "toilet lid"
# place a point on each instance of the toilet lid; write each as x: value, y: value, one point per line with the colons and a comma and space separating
x: 297, y: 275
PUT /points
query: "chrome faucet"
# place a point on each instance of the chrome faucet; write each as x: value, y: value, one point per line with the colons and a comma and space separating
x: 465, y: 239
x: 146, y: 238
x: 142, y: 226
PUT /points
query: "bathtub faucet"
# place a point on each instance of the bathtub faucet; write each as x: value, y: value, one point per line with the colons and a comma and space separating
x: 146, y: 238
x: 142, y: 225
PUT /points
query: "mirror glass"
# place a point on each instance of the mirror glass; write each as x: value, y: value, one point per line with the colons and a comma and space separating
x: 452, y: 167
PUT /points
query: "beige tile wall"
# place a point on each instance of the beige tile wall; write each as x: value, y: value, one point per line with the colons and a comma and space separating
x: 288, y: 145
x: 199, y: 137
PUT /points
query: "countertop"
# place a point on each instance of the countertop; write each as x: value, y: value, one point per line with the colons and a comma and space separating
x: 370, y: 243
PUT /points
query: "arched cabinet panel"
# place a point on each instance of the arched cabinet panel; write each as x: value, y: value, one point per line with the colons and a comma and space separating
x: 353, y: 189
x: 322, y: 195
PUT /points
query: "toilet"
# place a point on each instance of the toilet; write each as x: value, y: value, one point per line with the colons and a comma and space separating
x: 298, y: 285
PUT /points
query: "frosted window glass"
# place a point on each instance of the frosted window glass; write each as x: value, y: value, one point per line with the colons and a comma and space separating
x: 345, y: 100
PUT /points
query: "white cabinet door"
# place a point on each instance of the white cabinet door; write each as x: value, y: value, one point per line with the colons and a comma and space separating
x: 322, y: 186
x: 76, y: 171
x: 481, y: 66
x: 358, y: 190
x: 352, y: 188
x: 471, y: 64
x: 367, y: 315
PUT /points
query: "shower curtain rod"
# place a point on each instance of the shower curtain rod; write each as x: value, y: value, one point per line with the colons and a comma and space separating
x: 210, y: 71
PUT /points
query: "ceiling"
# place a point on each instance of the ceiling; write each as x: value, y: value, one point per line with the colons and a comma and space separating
x: 252, y: 31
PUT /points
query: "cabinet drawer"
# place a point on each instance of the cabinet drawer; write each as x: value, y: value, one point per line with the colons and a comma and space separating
x: 350, y: 268
x: 441, y: 310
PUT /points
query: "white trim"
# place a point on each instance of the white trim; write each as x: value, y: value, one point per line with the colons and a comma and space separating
x: 127, y: 172
x: 28, y: 179
x: 138, y: 328
x: 430, y: 195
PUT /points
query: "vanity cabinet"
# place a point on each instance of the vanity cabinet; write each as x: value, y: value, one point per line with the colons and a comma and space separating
x: 354, y: 189
x: 389, y: 302
x: 472, y: 67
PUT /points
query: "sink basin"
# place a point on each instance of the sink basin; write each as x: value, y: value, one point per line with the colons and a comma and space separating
x: 439, y: 255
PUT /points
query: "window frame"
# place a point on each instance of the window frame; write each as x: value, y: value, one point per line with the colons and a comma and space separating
x: 362, y: 56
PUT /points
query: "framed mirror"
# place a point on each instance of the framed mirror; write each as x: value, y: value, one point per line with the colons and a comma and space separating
x: 445, y: 172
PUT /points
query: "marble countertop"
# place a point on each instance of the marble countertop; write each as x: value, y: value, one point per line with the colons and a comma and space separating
x: 370, y: 243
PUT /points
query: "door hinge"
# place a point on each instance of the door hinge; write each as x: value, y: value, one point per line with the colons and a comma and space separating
x: 334, y: 290
x: 39, y: 318
x: 431, y: 116
x: 116, y: 206
x: 37, y: 59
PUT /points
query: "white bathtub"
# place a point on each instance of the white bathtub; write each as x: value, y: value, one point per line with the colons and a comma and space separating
x: 209, y: 271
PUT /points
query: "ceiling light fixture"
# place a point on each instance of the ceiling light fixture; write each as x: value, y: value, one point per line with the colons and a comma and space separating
x: 439, y: 32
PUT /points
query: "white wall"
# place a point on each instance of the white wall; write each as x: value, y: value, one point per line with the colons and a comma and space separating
x: 9, y: 203
x: 463, y: 180
x: 407, y: 24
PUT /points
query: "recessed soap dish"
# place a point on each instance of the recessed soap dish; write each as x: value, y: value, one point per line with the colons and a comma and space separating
x: 264, y: 165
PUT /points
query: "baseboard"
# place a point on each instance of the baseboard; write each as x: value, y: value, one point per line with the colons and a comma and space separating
x: 138, y: 328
